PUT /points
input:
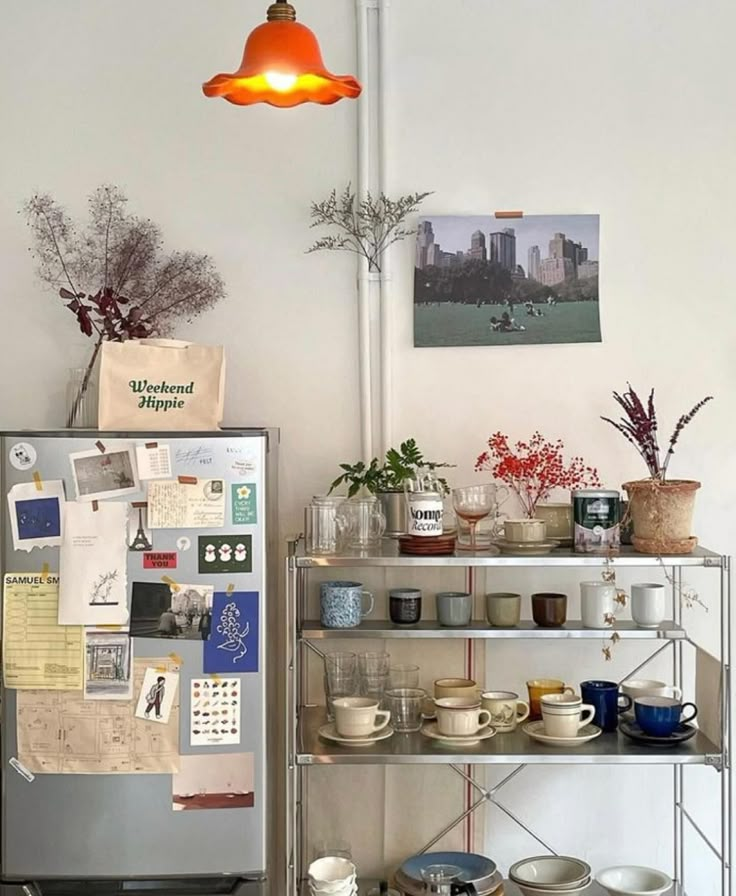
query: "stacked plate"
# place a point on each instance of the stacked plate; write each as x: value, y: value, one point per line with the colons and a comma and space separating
x: 428, y: 545
x: 332, y: 876
x: 550, y: 875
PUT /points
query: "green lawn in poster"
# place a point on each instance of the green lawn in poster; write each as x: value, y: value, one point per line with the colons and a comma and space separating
x: 244, y: 504
x: 225, y: 553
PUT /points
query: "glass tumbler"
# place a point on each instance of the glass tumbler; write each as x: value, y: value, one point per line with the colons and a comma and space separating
x: 341, y: 678
x: 405, y: 706
x: 374, y: 663
x: 404, y: 676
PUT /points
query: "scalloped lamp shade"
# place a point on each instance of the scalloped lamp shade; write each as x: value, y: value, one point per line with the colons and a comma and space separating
x: 282, y: 66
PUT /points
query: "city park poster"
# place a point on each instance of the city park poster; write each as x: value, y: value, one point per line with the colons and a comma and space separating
x: 482, y: 280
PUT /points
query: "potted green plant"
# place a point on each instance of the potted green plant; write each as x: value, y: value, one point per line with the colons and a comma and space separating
x: 386, y: 480
x: 661, y: 509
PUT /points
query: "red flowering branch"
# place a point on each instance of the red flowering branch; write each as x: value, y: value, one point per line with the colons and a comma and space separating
x: 533, y: 469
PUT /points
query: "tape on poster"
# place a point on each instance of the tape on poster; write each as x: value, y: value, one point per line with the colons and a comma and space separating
x: 167, y: 580
x: 100, y: 447
x: 174, y: 657
x: 39, y: 482
x: 514, y: 214
x: 95, y: 506
x: 187, y: 480
x: 229, y: 590
x: 21, y: 769
x: 216, y: 678
x: 44, y: 572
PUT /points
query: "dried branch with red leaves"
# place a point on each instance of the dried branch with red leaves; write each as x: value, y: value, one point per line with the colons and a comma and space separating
x: 533, y: 469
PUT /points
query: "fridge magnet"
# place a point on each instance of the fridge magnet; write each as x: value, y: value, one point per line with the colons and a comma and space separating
x: 225, y: 553
x: 199, y: 504
x: 154, y: 461
x: 108, y: 666
x: 159, y: 560
x: 159, y: 611
x: 233, y: 643
x: 104, y: 474
x: 214, y: 715
x: 244, y: 504
x: 157, y: 695
x: 36, y: 514
x: 183, y: 543
x: 534, y: 282
x: 140, y: 537
x: 214, y: 781
x: 93, y: 583
x: 22, y: 456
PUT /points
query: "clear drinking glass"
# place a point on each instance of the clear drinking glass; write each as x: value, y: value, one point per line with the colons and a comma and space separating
x: 473, y: 503
x: 405, y: 706
x: 374, y: 663
x: 341, y: 678
x: 404, y: 676
x: 374, y: 686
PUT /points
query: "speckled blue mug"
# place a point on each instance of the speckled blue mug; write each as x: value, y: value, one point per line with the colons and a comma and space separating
x: 341, y: 604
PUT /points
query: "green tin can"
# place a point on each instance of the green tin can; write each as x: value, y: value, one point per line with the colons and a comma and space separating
x: 597, y: 516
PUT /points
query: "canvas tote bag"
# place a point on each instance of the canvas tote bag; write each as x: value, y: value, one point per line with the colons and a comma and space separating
x: 161, y: 384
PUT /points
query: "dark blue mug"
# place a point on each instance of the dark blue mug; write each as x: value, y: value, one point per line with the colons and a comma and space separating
x: 660, y: 716
x: 605, y: 697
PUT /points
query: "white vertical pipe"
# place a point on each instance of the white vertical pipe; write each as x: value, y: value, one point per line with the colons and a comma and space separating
x: 364, y: 168
x: 385, y: 295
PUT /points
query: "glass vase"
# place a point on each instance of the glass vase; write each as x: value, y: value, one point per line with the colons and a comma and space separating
x: 81, y: 399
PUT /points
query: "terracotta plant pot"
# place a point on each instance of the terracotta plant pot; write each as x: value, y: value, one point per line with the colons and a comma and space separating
x: 662, y: 515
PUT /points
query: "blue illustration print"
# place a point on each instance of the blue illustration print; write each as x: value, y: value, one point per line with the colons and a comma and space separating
x: 38, y: 518
x: 233, y: 643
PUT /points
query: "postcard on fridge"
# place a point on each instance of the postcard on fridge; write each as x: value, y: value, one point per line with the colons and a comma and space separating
x: 192, y: 504
x: 93, y: 587
x: 37, y: 651
x: 108, y: 665
x: 104, y: 474
x: 214, y: 781
x: 157, y: 695
x: 214, y: 713
x: 36, y: 514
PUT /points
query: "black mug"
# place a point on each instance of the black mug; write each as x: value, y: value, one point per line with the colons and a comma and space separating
x: 405, y: 606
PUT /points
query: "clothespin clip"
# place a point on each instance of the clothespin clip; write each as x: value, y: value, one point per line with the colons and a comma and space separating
x: 38, y: 481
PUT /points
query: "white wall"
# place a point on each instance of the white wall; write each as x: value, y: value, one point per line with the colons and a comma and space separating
x: 625, y: 109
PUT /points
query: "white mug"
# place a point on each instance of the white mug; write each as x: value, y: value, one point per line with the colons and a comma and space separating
x: 455, y: 717
x: 648, y: 687
x: 565, y: 714
x: 648, y: 604
x: 358, y: 716
x: 597, y: 601
x: 505, y: 708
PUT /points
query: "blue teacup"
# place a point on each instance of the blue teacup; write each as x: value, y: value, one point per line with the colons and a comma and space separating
x: 341, y: 604
x: 604, y: 695
x: 660, y: 716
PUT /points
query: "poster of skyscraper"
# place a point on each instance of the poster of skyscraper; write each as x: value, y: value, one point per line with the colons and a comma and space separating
x: 481, y: 280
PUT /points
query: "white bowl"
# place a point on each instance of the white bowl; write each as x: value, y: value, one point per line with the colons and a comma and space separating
x: 552, y: 872
x: 633, y: 880
x: 332, y: 887
x: 545, y: 891
x: 330, y: 869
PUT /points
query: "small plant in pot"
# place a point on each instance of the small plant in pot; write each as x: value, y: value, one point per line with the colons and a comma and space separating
x: 661, y: 509
x: 386, y: 480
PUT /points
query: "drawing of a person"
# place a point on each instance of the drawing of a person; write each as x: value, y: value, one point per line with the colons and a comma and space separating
x: 155, y: 696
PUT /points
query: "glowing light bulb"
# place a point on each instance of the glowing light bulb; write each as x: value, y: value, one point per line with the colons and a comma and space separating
x: 280, y: 81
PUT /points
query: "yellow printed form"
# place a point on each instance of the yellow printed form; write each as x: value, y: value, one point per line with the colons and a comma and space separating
x: 37, y: 651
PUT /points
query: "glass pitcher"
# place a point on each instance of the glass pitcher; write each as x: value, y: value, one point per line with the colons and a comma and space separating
x: 320, y: 524
x: 444, y: 880
x: 360, y: 522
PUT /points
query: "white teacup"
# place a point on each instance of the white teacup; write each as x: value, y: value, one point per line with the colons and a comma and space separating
x: 565, y: 714
x: 524, y: 530
x: 459, y: 717
x: 505, y: 708
x: 647, y: 687
x: 358, y: 716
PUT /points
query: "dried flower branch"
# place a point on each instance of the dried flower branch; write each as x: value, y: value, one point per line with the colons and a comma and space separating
x: 368, y: 226
x: 112, y: 274
x: 639, y: 426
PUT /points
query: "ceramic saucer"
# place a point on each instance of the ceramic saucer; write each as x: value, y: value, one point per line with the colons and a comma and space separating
x: 329, y: 732
x: 525, y: 548
x: 679, y: 735
x: 431, y: 730
x: 535, y: 730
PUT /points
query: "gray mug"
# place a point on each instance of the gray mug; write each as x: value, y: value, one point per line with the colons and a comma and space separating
x: 454, y: 608
x: 341, y: 604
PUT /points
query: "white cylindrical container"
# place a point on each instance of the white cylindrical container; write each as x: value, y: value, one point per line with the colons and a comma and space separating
x: 424, y: 513
x: 648, y: 604
x: 597, y: 603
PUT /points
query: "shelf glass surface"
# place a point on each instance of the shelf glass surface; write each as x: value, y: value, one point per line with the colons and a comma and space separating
x: 513, y: 748
x: 383, y: 628
x: 387, y: 554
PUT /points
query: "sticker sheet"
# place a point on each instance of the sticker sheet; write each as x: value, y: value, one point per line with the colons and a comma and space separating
x: 214, y: 781
x: 37, y: 651
x: 108, y: 667
x: 214, y: 711
x: 194, y: 504
x: 36, y: 514
x: 93, y: 565
x: 225, y: 553
x: 104, y: 474
x: 156, y: 697
x: 233, y: 643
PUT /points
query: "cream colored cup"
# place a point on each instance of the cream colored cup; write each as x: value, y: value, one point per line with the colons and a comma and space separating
x: 647, y: 687
x: 505, y: 708
x: 565, y: 714
x: 455, y: 717
x: 358, y: 716
x: 524, y: 530
x: 456, y: 687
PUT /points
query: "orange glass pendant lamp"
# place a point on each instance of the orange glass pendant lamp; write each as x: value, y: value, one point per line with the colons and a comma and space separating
x: 282, y: 65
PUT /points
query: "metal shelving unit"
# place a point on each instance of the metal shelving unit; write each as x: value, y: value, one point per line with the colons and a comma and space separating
x: 305, y: 748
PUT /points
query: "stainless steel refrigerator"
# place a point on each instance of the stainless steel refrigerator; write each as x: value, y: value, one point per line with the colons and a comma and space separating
x: 117, y: 833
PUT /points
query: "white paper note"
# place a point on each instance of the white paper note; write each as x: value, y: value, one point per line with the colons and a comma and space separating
x: 154, y: 462
x: 93, y: 580
x: 199, y: 504
x: 36, y: 514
